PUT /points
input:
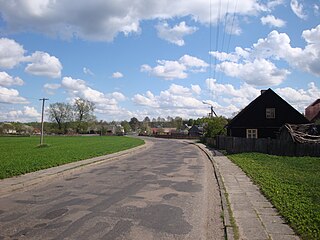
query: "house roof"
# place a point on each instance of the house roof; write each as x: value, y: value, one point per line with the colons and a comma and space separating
x: 264, y: 94
x: 196, y: 128
x: 314, y: 103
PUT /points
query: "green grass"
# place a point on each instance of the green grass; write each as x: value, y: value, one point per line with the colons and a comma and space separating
x: 292, y: 184
x: 19, y: 155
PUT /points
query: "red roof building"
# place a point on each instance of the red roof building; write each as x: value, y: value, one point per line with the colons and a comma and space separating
x: 312, y: 112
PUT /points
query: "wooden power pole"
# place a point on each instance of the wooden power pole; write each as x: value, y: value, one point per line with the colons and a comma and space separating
x: 41, y: 137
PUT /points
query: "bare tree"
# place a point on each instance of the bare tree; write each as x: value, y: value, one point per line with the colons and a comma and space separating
x: 83, y: 110
x: 61, y: 113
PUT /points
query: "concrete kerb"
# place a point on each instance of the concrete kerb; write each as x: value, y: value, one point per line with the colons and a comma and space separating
x: 229, y: 225
x: 26, y: 181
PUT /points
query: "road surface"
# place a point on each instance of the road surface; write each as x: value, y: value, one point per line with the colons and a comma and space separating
x: 166, y: 192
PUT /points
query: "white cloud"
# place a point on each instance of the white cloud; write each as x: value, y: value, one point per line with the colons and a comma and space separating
x: 39, y: 63
x: 87, y: 71
x: 146, y: 100
x: 177, y: 100
x: 228, y: 94
x: 117, y: 75
x: 277, y: 45
x: 256, y: 65
x: 272, y: 21
x: 6, y: 80
x: 42, y: 64
x: 234, y: 99
x: 11, y: 96
x: 51, y: 87
x: 11, y: 53
x: 260, y: 72
x: 106, y: 104
x: 222, y: 56
x: 275, y: 3
x: 312, y: 36
x: 28, y: 114
x: 118, y: 96
x: 175, y: 34
x: 298, y: 10
x: 167, y: 69
x: 170, y: 70
x: 104, y: 20
x: 300, y: 98
x: 193, y: 63
x: 196, y: 89
x: 316, y: 9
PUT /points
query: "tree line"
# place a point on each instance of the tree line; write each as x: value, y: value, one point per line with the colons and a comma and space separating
x: 79, y: 118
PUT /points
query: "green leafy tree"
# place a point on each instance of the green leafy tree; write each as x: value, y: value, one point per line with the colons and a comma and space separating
x: 134, y: 124
x: 126, y: 126
x: 214, y: 126
x: 178, y: 122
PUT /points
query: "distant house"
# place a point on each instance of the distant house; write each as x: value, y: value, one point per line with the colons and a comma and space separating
x: 163, y: 131
x: 312, y: 112
x: 115, y: 130
x: 195, y: 131
x: 263, y: 117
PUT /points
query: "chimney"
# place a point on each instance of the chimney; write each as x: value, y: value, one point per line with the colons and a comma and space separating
x: 262, y: 91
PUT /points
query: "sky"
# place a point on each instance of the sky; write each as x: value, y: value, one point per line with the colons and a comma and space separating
x: 138, y: 58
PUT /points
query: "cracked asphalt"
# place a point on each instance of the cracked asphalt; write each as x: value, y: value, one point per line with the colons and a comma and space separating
x: 165, y: 192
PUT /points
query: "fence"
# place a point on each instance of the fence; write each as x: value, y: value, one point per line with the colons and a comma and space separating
x: 264, y: 145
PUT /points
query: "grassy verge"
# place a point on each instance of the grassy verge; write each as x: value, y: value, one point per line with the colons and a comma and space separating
x: 23, y: 155
x: 292, y: 184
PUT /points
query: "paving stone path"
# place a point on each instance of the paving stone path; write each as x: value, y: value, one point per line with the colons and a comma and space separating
x: 254, y: 215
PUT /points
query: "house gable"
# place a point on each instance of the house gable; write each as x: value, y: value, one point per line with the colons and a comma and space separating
x: 267, y: 113
x: 312, y: 112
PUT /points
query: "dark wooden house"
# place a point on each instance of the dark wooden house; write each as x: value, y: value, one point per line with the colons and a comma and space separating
x: 263, y: 117
x: 195, y: 131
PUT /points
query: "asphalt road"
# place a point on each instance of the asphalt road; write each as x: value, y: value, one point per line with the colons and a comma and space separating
x: 166, y: 192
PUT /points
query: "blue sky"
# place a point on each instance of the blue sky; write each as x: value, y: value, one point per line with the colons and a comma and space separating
x: 155, y: 58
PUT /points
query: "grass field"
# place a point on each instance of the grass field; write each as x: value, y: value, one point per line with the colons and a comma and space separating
x: 292, y: 184
x: 19, y: 155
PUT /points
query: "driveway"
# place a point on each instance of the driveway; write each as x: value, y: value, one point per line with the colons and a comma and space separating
x: 166, y: 192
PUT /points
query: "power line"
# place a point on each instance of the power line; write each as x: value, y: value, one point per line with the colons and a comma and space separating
x: 217, y: 39
x: 230, y: 34
x: 210, y: 41
x: 225, y: 24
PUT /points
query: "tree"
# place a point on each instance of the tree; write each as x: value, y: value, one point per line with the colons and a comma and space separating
x: 83, y: 111
x: 146, y: 119
x: 215, y: 126
x: 61, y: 113
x: 178, y: 122
x: 190, y: 122
x: 126, y: 126
x: 134, y: 124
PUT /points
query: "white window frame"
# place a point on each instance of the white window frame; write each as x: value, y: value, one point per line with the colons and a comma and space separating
x: 252, y: 133
x: 270, y: 113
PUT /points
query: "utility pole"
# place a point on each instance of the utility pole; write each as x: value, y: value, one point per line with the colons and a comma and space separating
x: 211, y: 108
x: 43, y: 100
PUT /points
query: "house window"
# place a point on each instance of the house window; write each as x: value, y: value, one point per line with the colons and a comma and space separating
x: 270, y: 113
x: 252, y: 133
